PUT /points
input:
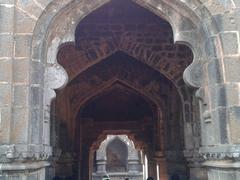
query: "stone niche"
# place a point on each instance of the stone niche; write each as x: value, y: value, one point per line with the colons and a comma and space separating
x: 118, y: 159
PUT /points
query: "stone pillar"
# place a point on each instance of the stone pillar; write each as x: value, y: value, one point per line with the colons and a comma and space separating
x: 133, y: 165
x: 101, y: 166
x: 21, y: 155
x: 6, y: 77
x: 133, y: 161
x: 101, y: 162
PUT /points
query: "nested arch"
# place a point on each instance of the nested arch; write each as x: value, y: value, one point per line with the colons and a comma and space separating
x: 50, y: 32
x: 133, y: 140
x: 110, y: 85
x: 59, y: 33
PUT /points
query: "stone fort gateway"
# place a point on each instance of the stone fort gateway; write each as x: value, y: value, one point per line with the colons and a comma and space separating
x: 119, y: 89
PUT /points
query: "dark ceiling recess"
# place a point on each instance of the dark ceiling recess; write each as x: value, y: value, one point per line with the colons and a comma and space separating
x: 117, y: 12
x: 117, y: 104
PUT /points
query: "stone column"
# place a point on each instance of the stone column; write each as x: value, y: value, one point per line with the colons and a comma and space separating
x: 133, y: 165
x: 6, y: 63
x: 101, y: 166
x: 133, y: 161
x: 101, y: 162
x: 19, y: 151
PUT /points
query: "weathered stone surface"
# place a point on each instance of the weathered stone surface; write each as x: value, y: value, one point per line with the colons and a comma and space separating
x: 21, y: 71
x: 5, y: 124
x: 230, y: 43
x: 5, y: 94
x: 36, y: 72
x: 23, y: 23
x: 22, y: 45
x: 36, y: 125
x: 36, y: 94
x: 5, y: 70
x: 20, y: 124
x: 224, y: 95
x: 6, y: 19
x: 214, y: 68
x: 6, y: 45
x: 234, y: 123
x: 232, y: 72
x: 212, y: 48
x: 21, y: 95
x: 226, y: 22
x: 31, y: 8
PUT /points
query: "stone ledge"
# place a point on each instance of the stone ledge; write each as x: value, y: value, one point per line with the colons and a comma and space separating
x: 220, y: 152
x: 23, y: 166
x: 222, y: 164
x: 21, y: 152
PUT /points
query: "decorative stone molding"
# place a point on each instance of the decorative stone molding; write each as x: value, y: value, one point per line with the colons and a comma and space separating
x: 193, y: 157
x: 10, y: 153
x: 222, y: 152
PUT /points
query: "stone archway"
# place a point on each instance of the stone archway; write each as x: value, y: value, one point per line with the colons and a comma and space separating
x: 117, y: 127
x: 180, y: 35
x: 56, y: 39
x: 190, y: 27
